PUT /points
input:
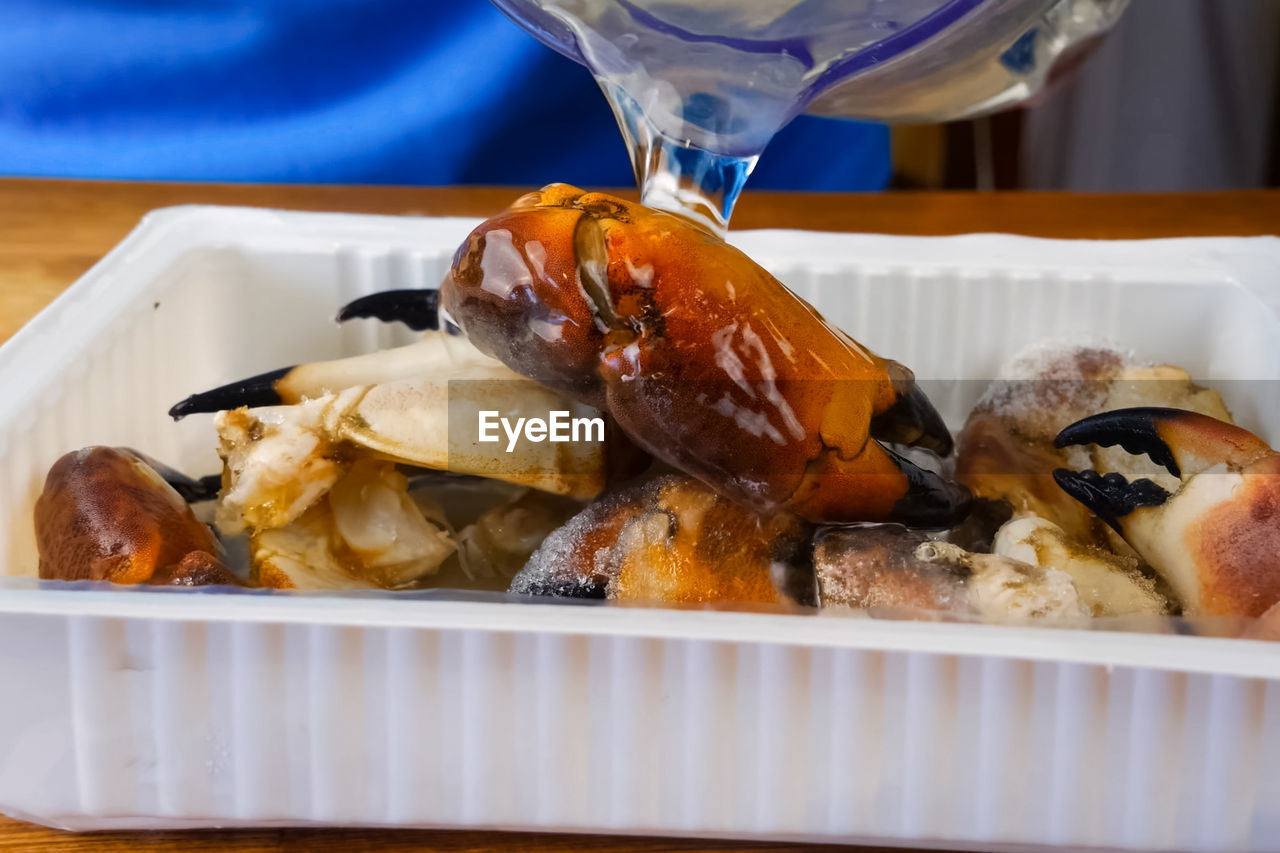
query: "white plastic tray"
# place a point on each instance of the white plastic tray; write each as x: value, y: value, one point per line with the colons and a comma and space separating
x: 161, y: 709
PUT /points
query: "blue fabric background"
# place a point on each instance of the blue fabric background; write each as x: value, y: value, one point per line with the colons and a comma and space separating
x: 361, y: 91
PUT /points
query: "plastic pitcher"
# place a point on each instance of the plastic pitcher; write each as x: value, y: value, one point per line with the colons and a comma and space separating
x: 701, y: 86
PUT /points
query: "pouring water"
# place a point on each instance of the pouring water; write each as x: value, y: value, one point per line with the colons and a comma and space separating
x: 699, y: 87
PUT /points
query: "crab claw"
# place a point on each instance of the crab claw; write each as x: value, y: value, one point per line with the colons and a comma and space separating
x: 879, y: 485
x: 423, y: 405
x: 912, y: 419
x: 1183, y: 443
x: 1111, y: 497
x: 435, y: 355
x: 106, y: 514
x: 417, y: 308
x: 703, y: 358
x: 923, y: 498
x: 1216, y: 537
x: 257, y: 390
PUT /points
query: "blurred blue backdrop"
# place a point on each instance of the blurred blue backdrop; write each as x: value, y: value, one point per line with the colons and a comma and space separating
x: 351, y: 91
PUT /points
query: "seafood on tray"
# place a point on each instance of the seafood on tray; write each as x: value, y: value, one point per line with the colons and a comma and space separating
x: 749, y: 453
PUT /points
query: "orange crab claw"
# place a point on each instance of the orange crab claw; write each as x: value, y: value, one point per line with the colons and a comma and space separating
x: 702, y: 357
x: 107, y: 515
x: 1216, y: 537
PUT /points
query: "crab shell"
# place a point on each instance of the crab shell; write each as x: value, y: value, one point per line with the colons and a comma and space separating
x: 671, y: 539
x: 701, y: 356
x: 1216, y: 540
x: 106, y: 514
x: 886, y: 566
x: 1108, y: 584
x: 1005, y: 451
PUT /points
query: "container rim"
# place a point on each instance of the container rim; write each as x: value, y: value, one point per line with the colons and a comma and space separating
x: 830, y: 630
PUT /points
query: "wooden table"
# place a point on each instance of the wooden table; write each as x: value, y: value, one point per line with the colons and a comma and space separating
x: 52, y: 231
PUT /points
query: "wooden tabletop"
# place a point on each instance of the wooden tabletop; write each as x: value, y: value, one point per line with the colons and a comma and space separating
x: 52, y: 231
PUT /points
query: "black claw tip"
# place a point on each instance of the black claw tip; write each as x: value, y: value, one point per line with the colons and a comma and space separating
x: 255, y: 391
x: 914, y: 421
x: 192, y: 490
x: 196, y: 491
x: 931, y: 502
x: 418, y: 309
x: 1133, y: 429
x: 1111, y: 497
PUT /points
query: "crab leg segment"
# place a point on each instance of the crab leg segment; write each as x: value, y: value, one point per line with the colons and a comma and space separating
x: 436, y: 354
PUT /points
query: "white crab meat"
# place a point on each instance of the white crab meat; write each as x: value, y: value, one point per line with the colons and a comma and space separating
x: 366, y: 533
x: 281, y: 459
x: 1005, y: 590
x: 1108, y: 584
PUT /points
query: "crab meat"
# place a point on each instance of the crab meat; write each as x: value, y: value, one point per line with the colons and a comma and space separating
x: 365, y: 533
x: 1108, y: 584
x: 500, y: 541
x: 417, y: 405
x: 887, y: 566
x: 1215, y: 535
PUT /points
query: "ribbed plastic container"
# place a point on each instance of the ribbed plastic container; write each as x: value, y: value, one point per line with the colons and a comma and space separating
x: 137, y: 708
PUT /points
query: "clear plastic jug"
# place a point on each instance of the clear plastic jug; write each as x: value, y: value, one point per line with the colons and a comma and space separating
x: 701, y: 86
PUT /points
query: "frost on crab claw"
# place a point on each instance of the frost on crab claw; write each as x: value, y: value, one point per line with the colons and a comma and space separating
x: 1215, y: 538
x: 416, y: 405
x: 671, y: 539
x: 887, y: 566
x: 1006, y: 452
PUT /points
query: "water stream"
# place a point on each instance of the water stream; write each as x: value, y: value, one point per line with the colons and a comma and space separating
x: 699, y: 89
